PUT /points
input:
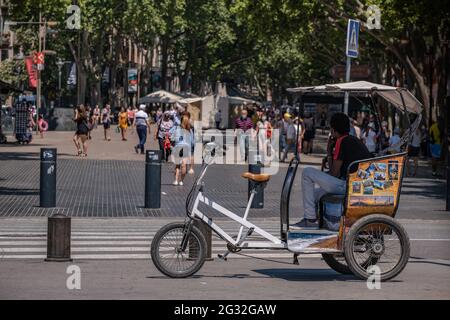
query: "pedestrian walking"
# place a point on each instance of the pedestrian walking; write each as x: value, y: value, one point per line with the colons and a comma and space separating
x: 218, y: 119
x: 264, y: 132
x: 123, y: 123
x: 309, y: 133
x: 282, y: 125
x: 131, y: 113
x: 81, y: 135
x: 369, y: 137
x: 90, y: 120
x: 42, y: 126
x: 162, y: 134
x: 191, y: 162
x: 106, y: 120
x: 413, y: 152
x: 243, y: 128
x: 96, y: 116
x: 323, y: 121
x: 425, y: 142
x: 142, y: 125
x: 181, y: 135
x: 394, y: 142
x: 291, y: 136
x: 385, y: 135
x: 436, y: 132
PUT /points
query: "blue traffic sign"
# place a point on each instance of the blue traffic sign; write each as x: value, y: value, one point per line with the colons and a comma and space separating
x: 352, y: 38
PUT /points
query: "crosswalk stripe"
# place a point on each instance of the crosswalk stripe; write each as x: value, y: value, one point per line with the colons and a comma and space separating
x: 80, y: 243
x: 110, y: 242
x: 132, y: 256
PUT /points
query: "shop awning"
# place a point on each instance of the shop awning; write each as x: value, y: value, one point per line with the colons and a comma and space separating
x: 160, y: 96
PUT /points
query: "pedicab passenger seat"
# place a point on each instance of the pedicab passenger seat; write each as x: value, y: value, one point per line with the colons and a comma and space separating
x: 331, y: 208
x: 372, y: 186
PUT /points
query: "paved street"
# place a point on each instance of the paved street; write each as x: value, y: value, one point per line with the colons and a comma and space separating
x: 111, y: 184
x: 130, y: 238
x: 236, y: 279
x: 112, y: 232
x: 113, y: 255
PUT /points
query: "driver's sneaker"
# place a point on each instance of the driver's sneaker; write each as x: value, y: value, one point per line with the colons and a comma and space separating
x: 305, y: 224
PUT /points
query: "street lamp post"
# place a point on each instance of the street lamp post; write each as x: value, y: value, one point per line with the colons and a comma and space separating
x: 60, y: 64
x: 41, y: 43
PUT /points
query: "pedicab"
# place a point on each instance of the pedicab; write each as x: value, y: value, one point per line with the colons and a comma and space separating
x: 357, y: 231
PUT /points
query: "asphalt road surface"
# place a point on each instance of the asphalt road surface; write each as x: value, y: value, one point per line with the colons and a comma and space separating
x: 427, y: 275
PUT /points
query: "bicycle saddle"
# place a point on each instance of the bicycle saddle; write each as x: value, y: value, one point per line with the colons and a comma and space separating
x: 256, y: 177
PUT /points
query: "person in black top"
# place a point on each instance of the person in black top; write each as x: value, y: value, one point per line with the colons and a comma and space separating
x: 347, y: 149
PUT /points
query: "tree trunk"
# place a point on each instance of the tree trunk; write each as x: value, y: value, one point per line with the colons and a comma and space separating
x: 164, y: 62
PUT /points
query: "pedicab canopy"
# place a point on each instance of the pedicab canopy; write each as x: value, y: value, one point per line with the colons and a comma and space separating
x: 401, y: 98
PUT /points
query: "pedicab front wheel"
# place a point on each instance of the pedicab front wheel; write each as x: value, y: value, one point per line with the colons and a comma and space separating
x: 377, y: 245
x: 170, y: 258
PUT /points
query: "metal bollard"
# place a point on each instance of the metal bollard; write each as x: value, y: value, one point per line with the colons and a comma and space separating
x: 258, y: 200
x: 58, y: 238
x: 47, y: 194
x: 153, y: 179
x: 207, y: 233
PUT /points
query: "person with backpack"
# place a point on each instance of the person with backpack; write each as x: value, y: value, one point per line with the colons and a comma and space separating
x: 81, y: 135
x: 181, y: 135
x: 164, y: 125
x: 142, y: 125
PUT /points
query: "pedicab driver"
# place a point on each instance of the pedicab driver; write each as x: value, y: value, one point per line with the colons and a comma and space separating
x: 316, y: 183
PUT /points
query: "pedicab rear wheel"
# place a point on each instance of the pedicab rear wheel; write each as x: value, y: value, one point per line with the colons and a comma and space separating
x: 377, y: 241
x: 336, y: 261
x: 168, y: 256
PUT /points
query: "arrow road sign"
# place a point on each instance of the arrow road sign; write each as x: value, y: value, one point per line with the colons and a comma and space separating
x: 352, y: 38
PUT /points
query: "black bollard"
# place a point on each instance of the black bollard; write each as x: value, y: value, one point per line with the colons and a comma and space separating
x: 153, y: 179
x: 47, y: 194
x: 58, y: 238
x: 258, y: 200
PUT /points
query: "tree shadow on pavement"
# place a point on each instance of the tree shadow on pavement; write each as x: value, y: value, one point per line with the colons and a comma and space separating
x: 315, y: 275
x: 306, y: 274
x: 18, y: 192
x: 19, y: 156
x: 295, y: 274
x: 27, y: 155
x: 424, y: 260
x: 224, y: 276
x: 434, y: 190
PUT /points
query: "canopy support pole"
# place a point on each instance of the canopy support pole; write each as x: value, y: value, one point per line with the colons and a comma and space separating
x: 300, y: 109
x: 348, y: 68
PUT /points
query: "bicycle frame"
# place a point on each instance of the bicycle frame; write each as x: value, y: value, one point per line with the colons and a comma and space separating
x: 272, y: 243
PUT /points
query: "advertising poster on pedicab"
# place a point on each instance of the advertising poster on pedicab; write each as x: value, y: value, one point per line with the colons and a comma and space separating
x: 375, y: 186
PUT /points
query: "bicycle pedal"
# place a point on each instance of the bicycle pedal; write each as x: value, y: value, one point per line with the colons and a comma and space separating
x: 222, y: 257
